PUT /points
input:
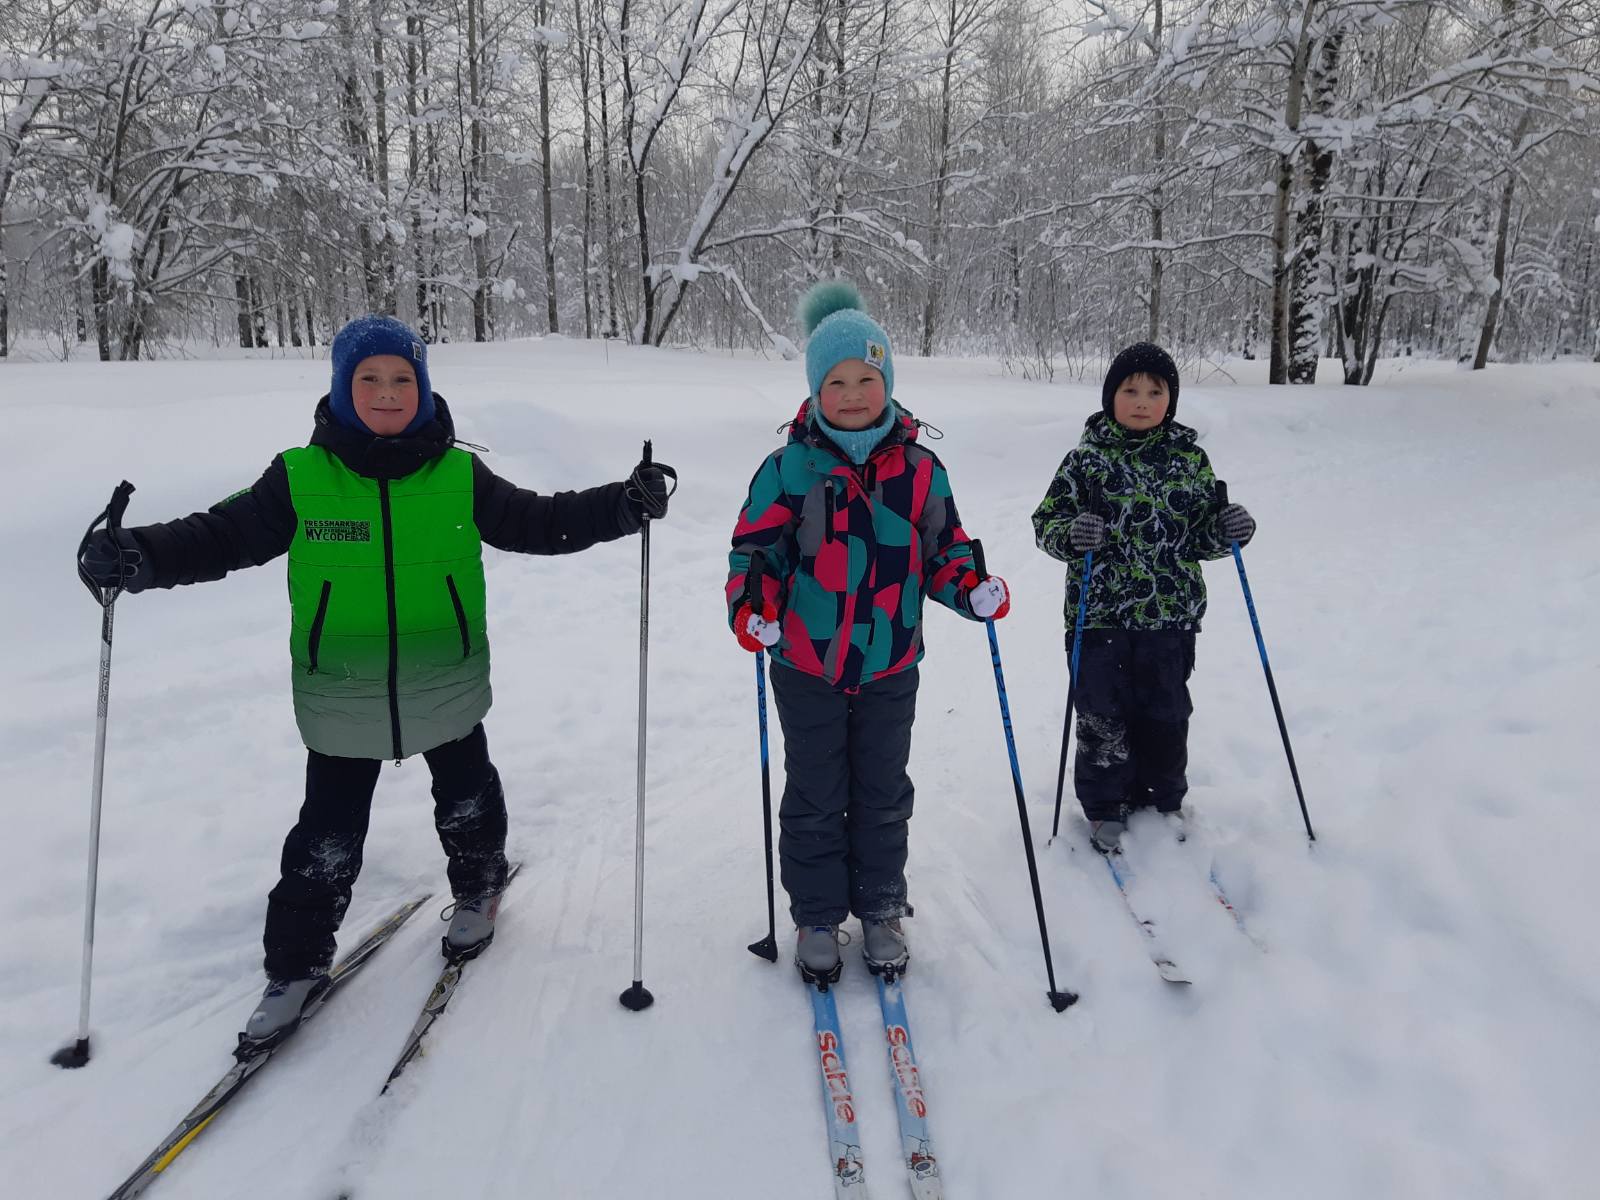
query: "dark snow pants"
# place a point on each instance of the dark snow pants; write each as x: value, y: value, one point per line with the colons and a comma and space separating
x: 1133, y: 720
x: 322, y: 854
x: 846, y: 795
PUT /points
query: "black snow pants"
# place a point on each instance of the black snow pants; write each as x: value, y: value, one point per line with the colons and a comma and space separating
x: 846, y: 795
x: 322, y: 854
x: 1133, y: 720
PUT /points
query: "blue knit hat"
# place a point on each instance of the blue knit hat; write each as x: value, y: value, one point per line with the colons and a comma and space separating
x: 363, y: 338
x: 833, y: 315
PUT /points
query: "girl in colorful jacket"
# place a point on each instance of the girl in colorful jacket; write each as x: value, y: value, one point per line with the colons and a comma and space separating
x: 851, y: 525
x: 383, y: 517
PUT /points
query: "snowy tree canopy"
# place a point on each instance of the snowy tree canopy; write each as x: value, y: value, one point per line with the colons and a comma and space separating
x: 1044, y: 182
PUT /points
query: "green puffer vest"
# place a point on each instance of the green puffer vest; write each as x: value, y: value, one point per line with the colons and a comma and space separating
x: 389, y: 633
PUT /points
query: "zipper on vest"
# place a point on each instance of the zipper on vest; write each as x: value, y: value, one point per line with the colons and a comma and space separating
x: 827, y: 509
x: 394, y: 619
x: 461, y: 616
x: 315, y: 639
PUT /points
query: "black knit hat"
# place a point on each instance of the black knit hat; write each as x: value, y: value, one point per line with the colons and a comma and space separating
x: 1141, y: 358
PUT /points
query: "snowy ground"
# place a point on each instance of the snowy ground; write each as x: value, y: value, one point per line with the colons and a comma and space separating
x: 1425, y: 1022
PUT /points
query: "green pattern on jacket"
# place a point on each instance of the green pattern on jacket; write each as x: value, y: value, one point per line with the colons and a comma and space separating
x: 345, y: 645
x: 1156, y: 492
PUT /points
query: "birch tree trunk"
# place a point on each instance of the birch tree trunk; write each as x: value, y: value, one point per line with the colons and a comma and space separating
x: 1157, y: 206
x: 581, y: 45
x: 1282, y: 207
x: 546, y: 183
x: 1491, y: 318
x: 359, y: 142
x: 387, y: 295
x: 477, y: 223
x: 414, y: 170
x: 941, y: 182
x: 1305, y: 308
x: 609, y: 207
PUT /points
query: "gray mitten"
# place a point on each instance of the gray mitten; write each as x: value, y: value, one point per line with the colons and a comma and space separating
x: 1235, y: 524
x: 1087, y: 532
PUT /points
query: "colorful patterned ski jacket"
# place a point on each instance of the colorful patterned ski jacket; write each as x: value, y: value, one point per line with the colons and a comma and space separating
x: 1157, y: 495
x: 850, y: 552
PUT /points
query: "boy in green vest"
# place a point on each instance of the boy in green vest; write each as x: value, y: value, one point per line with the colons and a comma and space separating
x: 383, y: 518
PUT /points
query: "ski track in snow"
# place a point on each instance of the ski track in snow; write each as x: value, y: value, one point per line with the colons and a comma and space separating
x: 1424, y: 1022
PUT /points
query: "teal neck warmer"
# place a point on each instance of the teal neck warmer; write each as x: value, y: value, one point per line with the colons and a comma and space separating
x: 857, y: 443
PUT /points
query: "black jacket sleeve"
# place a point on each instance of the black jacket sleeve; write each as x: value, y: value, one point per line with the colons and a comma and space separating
x: 245, y: 530
x: 513, y: 518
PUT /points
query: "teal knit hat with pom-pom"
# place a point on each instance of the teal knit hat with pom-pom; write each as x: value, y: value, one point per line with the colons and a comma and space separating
x: 833, y: 316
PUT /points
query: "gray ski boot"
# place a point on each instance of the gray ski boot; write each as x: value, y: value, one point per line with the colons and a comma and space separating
x: 280, y: 1010
x: 1106, y: 836
x: 816, y: 953
x: 471, y: 926
x: 884, y: 947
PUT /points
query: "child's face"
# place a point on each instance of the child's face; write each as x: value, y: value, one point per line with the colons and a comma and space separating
x: 384, y: 392
x: 852, y: 395
x: 1141, y: 402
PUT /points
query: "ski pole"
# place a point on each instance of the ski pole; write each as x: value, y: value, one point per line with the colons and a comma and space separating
x: 1261, y: 645
x: 1059, y: 1000
x: 77, y: 1054
x: 767, y: 947
x: 638, y: 997
x: 1072, y: 668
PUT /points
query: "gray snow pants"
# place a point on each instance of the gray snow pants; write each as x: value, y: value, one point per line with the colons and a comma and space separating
x: 846, y: 795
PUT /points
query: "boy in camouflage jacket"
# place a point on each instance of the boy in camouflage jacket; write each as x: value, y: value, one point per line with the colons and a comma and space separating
x: 855, y: 525
x: 1140, y: 493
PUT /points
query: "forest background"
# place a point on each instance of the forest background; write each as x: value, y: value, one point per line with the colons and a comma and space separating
x: 1041, y: 182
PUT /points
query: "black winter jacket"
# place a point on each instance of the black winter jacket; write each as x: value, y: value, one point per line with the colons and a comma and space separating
x: 256, y: 525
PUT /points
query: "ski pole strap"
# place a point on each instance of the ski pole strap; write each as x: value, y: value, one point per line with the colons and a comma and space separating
x: 650, y: 505
x: 112, y: 516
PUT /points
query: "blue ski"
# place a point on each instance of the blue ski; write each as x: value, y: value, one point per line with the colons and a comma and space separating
x: 838, y: 1105
x: 910, y: 1101
x: 1238, y: 921
x: 1121, y: 876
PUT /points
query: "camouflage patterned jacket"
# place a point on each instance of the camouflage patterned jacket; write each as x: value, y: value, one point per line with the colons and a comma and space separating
x: 850, y: 552
x: 1157, y: 495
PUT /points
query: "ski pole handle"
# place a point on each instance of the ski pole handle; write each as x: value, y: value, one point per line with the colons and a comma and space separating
x: 753, y: 595
x: 977, y: 559
x: 112, y: 516
x: 645, y: 459
x: 118, y: 505
x: 1222, y: 494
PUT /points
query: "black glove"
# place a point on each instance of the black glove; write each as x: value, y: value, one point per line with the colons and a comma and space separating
x: 648, y: 489
x: 1236, y: 525
x: 113, y: 557
x: 1087, y: 532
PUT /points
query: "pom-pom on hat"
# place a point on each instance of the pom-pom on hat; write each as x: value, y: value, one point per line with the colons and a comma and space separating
x: 839, y: 329
x: 363, y: 338
x: 1141, y: 358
